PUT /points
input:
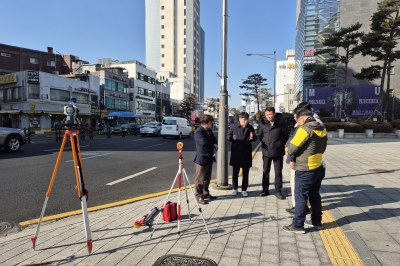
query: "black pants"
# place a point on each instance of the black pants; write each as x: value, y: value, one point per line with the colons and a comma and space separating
x: 278, y: 165
x: 235, y: 176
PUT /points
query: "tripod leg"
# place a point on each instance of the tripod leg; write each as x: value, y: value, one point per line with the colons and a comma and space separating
x: 33, y: 238
x: 187, y: 198
x: 162, y: 208
x: 198, y: 206
x: 82, y: 192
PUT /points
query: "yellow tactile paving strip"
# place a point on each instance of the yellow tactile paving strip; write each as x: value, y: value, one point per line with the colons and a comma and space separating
x: 338, y: 247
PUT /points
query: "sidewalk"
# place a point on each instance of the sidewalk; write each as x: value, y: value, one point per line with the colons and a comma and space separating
x: 245, y: 231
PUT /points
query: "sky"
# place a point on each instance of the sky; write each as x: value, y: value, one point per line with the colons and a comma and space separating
x: 93, y: 29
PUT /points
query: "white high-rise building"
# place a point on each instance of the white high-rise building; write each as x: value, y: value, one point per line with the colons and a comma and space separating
x: 175, y: 40
x: 285, y: 80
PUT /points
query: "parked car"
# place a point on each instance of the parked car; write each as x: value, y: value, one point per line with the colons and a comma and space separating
x: 176, y: 127
x: 131, y: 127
x: 11, y: 138
x: 153, y: 128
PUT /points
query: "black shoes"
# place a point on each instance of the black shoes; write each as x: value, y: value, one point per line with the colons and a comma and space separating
x: 309, y: 223
x: 209, y: 197
x: 264, y: 193
x: 292, y: 211
x: 292, y: 229
x: 279, y: 196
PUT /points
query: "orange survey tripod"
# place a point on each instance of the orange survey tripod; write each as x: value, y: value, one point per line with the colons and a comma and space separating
x: 80, y: 184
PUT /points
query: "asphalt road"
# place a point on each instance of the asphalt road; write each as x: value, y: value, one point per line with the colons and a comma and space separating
x: 25, y: 175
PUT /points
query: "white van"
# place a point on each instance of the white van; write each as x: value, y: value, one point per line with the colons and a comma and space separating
x: 175, y: 127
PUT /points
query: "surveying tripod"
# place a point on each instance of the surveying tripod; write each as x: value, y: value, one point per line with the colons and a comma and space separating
x: 80, y: 184
x: 178, y: 177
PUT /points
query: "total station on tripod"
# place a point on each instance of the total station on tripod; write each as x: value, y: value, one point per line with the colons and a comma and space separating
x: 71, y: 112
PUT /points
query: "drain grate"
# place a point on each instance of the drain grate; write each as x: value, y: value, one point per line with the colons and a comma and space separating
x: 380, y: 171
x: 172, y: 260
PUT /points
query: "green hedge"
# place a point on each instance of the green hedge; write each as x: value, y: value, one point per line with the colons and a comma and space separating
x: 329, y: 119
x: 384, y: 128
x: 367, y: 125
x: 395, y: 124
x: 347, y: 126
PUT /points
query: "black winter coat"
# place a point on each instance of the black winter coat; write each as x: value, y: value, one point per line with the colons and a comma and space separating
x: 273, y: 139
x: 241, y: 148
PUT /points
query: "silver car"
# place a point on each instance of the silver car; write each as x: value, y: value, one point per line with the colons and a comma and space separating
x: 11, y: 138
x: 153, y: 128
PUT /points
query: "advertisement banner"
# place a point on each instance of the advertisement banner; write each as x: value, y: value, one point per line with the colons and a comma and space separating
x: 353, y: 101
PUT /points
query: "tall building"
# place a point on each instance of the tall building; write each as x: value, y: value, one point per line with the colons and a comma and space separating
x: 285, y: 73
x: 175, y: 40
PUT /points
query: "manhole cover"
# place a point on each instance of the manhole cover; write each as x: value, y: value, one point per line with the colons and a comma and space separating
x: 172, y: 260
x: 381, y: 171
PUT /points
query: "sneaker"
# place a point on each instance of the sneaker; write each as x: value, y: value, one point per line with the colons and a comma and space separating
x: 244, y: 194
x: 291, y: 210
x: 234, y: 192
x: 292, y: 229
x: 309, y: 223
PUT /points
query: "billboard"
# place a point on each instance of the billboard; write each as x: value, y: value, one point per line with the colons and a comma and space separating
x: 354, y: 101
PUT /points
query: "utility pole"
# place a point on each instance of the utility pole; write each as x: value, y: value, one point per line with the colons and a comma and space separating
x: 222, y: 159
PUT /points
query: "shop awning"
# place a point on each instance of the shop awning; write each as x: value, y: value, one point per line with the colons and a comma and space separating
x: 9, y: 112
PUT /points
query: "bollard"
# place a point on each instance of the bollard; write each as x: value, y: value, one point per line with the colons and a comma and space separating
x: 91, y: 135
x: 135, y: 131
x: 108, y: 132
x: 123, y: 131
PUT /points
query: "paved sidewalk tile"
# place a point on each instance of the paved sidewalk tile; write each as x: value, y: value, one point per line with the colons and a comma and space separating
x: 245, y: 231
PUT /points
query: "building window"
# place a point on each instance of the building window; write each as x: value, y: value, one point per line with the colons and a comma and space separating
x: 162, y: 55
x: 162, y: 65
x: 34, y: 61
x: 51, y: 63
x: 184, y: 50
x: 184, y: 12
x: 184, y: 60
x: 162, y: 26
x: 184, y: 31
x: 184, y: 2
x: 162, y: 36
x: 184, y: 41
x: 5, y: 55
x: 184, y: 69
x: 162, y: 7
x: 81, y: 98
x: 392, y: 70
x: 33, y: 91
x: 162, y: 46
x: 162, y: 17
x: 59, y: 95
x: 184, y: 22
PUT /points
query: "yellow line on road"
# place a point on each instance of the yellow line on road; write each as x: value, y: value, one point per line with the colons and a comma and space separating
x: 338, y: 247
x: 111, y: 205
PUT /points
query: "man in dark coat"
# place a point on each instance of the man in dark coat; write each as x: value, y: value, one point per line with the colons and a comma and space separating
x: 241, y: 135
x: 206, y: 146
x: 273, y: 136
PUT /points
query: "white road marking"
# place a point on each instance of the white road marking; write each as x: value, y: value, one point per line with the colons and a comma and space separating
x: 131, y: 176
x: 152, y: 146
x: 139, y: 139
x: 66, y: 148
x: 91, y: 157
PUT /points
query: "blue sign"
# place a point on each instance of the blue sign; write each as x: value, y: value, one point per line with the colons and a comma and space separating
x: 354, y: 101
x: 73, y: 100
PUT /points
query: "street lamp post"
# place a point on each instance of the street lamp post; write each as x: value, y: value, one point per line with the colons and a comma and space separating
x: 274, y: 58
x: 222, y: 159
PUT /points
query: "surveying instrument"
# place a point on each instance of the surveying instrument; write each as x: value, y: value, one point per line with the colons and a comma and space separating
x: 71, y: 124
x: 178, y: 177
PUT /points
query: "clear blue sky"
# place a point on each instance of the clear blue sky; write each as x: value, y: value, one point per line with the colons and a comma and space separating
x: 93, y: 29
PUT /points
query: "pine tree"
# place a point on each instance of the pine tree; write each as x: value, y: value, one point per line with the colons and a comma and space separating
x: 253, y: 84
x: 187, y: 105
x: 379, y: 44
